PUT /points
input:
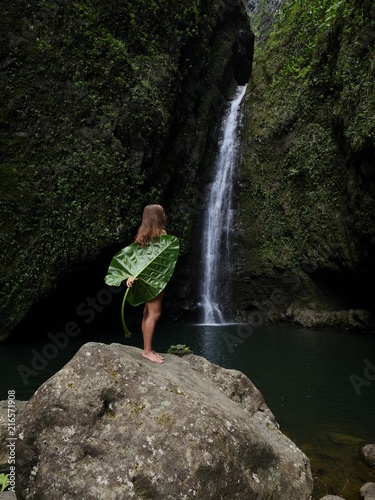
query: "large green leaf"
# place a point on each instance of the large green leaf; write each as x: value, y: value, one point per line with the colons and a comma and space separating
x: 152, y: 265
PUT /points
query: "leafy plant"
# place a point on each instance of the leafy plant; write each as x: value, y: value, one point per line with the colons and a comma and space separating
x: 4, y: 481
x: 180, y: 350
x: 152, y: 266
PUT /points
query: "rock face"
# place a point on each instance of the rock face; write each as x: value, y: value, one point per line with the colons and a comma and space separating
x: 304, y: 198
x: 113, y: 425
x: 105, y: 109
x: 262, y: 15
x: 353, y: 319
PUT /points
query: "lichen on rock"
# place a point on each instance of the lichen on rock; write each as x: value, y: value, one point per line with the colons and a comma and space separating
x: 178, y: 430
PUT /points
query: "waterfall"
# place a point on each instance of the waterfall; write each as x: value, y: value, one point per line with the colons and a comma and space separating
x: 217, y: 218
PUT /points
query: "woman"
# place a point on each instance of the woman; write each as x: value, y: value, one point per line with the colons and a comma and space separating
x: 153, y: 226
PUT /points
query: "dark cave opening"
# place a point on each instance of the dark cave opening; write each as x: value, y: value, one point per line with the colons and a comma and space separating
x: 80, y: 297
x: 347, y: 290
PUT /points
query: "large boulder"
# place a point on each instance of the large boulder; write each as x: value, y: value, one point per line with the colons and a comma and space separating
x: 112, y: 425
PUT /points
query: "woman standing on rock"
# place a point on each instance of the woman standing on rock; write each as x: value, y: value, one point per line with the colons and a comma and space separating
x: 153, y: 226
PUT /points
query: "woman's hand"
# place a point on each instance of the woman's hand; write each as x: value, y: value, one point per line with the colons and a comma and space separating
x: 130, y: 281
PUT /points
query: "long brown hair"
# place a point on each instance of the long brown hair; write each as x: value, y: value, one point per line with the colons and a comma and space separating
x: 153, y: 224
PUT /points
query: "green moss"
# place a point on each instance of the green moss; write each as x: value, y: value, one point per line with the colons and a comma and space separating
x: 180, y: 350
x: 309, y: 123
x: 97, y: 98
x: 138, y: 408
x: 165, y: 420
x: 142, y: 487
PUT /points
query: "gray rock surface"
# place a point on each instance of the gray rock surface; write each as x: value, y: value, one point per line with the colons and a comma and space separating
x: 368, y: 454
x: 4, y: 434
x: 367, y: 490
x: 8, y: 495
x: 331, y: 497
x: 352, y: 319
x: 112, y: 425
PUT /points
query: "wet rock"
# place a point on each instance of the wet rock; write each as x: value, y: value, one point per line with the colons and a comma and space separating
x: 367, y: 454
x: 113, y: 425
x: 352, y: 319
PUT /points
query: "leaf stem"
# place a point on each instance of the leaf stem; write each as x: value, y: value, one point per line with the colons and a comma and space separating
x: 127, y: 333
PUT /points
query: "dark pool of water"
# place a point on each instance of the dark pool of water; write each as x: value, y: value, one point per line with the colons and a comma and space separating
x: 305, y: 376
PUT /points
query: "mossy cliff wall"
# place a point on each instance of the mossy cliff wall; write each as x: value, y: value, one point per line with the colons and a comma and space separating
x: 305, y: 190
x: 106, y: 106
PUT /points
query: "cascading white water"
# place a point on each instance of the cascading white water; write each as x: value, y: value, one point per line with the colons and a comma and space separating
x: 217, y: 218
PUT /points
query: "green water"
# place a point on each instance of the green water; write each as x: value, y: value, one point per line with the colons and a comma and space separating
x: 304, y: 376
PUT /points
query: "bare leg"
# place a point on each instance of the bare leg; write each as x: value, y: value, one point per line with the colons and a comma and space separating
x: 151, y: 314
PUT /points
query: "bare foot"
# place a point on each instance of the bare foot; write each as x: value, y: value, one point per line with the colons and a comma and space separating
x: 157, y: 354
x: 152, y: 357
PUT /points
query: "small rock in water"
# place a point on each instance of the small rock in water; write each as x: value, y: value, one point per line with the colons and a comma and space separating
x: 331, y: 497
x: 367, y: 454
x: 367, y: 491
